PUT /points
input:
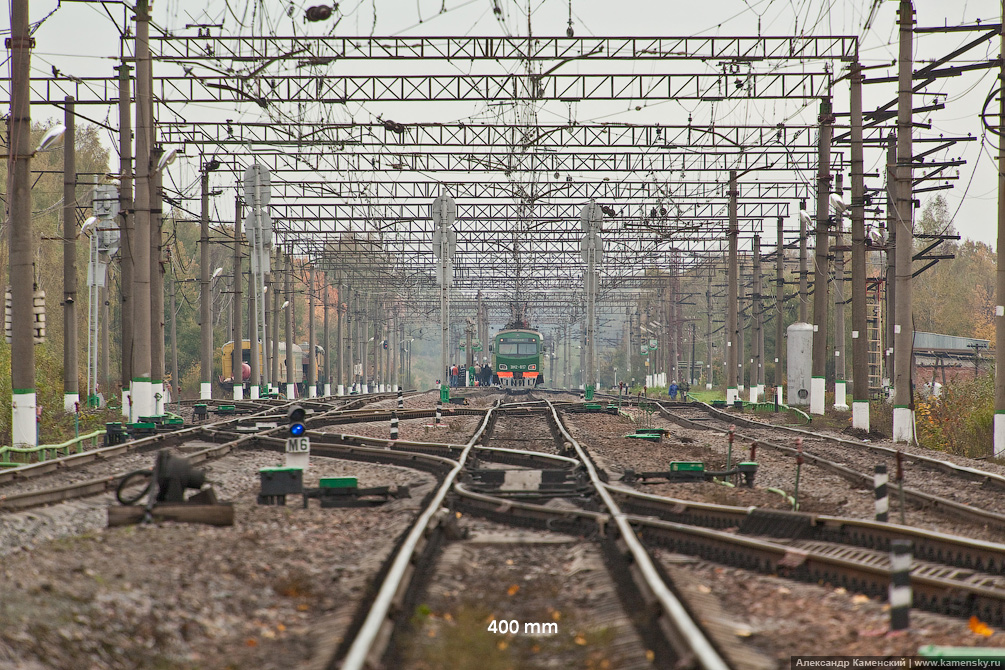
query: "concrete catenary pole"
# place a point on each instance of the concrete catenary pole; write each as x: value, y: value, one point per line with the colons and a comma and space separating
x: 741, y: 332
x: 708, y: 332
x: 891, y: 253
x: 779, y: 309
x: 327, y: 336
x: 126, y: 226
x: 237, y: 334
x: 840, y: 371
x: 859, y: 326
x: 291, y: 385
x: 312, y: 360
x: 903, y: 403
x: 156, y: 286
x: 340, y: 314
x: 756, y: 348
x: 821, y: 266
x: 105, y: 321
x: 732, y: 295
x: 274, y: 289
x: 255, y: 359
x: 804, y: 272
x: 71, y: 392
x: 205, y: 296
x: 175, y: 381
x: 19, y: 214
x: 141, y: 395
x: 999, y: 424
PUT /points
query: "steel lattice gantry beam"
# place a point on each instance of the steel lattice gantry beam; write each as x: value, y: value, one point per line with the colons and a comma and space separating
x: 434, y: 136
x: 308, y: 50
x: 353, y: 198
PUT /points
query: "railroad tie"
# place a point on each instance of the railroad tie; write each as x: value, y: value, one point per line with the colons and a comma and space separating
x: 880, y: 479
x: 900, y: 584
x: 394, y: 425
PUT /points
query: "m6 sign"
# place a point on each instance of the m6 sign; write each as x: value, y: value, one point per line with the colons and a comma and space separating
x: 298, y: 445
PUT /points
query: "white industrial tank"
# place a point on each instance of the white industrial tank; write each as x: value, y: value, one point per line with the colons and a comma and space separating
x: 800, y: 363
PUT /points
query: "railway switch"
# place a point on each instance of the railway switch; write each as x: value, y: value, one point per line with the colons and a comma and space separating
x: 344, y: 492
x: 694, y: 471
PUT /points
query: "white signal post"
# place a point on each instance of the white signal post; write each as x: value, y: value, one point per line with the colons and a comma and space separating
x: 444, y: 213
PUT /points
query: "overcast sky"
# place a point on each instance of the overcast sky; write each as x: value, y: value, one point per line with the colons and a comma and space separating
x: 81, y: 39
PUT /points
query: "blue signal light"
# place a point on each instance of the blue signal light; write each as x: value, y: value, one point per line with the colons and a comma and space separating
x: 297, y: 429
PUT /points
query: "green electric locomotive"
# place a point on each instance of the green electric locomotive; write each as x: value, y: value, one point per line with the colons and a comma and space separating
x: 516, y: 357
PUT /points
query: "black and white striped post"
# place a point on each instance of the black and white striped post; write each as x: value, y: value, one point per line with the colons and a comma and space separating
x: 880, y: 480
x: 401, y: 400
x: 900, y: 584
x: 439, y: 411
x: 394, y: 425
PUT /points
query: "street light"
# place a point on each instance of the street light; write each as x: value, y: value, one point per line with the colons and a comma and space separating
x: 51, y: 137
x: 167, y: 159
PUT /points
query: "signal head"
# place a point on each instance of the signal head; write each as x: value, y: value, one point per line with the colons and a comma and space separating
x: 296, y: 415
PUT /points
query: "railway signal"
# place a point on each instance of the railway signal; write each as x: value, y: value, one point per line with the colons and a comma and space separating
x: 298, y: 445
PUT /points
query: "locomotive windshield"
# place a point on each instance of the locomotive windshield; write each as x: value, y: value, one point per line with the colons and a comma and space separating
x: 518, y: 348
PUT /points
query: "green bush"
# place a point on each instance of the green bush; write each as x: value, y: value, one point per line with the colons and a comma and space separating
x: 961, y: 421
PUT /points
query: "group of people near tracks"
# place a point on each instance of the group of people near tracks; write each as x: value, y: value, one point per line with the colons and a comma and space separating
x: 479, y: 375
x: 673, y: 390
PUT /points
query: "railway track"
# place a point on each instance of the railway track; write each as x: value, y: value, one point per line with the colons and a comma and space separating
x: 23, y: 487
x: 951, y: 575
x: 855, y: 461
x: 669, y: 630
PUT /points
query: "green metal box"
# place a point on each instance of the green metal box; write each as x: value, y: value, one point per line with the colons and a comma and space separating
x: 338, y: 482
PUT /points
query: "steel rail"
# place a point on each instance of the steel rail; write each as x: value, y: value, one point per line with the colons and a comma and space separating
x: 374, y: 634
x: 954, y: 591
x: 863, y: 480
x: 962, y: 552
x: 95, y: 486
x: 948, y: 467
x: 685, y: 634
